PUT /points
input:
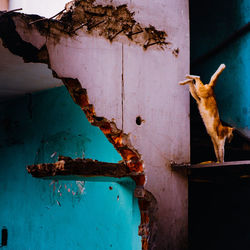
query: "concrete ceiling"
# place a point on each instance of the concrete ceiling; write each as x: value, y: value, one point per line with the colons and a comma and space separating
x: 19, y: 78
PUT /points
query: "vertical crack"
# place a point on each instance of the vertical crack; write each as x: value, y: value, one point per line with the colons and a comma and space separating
x: 122, y: 90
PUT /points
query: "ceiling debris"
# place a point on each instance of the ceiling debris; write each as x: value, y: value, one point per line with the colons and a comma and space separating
x: 110, y: 21
x: 107, y: 21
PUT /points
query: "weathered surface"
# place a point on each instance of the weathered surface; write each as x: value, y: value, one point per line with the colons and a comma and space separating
x: 108, y: 21
x: 80, y: 167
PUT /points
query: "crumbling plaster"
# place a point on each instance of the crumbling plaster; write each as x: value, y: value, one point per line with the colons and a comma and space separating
x: 124, y: 81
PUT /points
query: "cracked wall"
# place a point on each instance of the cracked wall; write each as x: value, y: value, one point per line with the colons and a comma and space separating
x: 124, y: 79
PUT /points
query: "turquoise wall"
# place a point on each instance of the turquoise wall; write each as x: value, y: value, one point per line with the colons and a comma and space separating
x: 48, y: 214
x: 219, y: 212
x: 211, y: 22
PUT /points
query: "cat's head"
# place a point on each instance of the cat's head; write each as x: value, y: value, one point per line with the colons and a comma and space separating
x: 230, y: 134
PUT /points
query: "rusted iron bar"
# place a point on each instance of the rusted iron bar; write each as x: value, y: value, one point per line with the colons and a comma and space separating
x: 95, y: 25
x: 135, y: 33
x: 66, y: 166
x: 115, y: 35
x: 79, y: 27
x: 44, y: 18
x: 10, y: 11
x: 154, y: 43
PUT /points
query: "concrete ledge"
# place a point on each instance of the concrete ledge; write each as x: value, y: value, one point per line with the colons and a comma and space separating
x: 216, y: 172
x: 65, y: 166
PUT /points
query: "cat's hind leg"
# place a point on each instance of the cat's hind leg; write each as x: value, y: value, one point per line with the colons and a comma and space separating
x: 216, y: 148
x: 221, y: 147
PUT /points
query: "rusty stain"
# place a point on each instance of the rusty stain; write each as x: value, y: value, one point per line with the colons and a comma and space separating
x: 140, y: 180
x: 117, y: 139
x: 176, y: 52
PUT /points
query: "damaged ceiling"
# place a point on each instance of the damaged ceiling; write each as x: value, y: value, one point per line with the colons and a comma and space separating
x: 22, y: 78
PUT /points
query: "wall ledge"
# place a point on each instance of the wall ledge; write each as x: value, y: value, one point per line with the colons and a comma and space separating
x: 230, y: 171
x: 79, y: 167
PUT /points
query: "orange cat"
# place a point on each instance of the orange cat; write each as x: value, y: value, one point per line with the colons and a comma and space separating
x: 205, y: 98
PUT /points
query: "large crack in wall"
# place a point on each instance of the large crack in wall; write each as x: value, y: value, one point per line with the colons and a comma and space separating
x: 131, y: 157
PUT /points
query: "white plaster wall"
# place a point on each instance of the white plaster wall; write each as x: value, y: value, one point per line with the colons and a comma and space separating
x: 97, y: 64
x: 46, y: 8
x: 32, y: 77
x: 151, y: 90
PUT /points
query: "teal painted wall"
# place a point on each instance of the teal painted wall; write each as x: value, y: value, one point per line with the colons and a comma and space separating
x: 211, y: 23
x: 46, y: 214
x: 219, y: 212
